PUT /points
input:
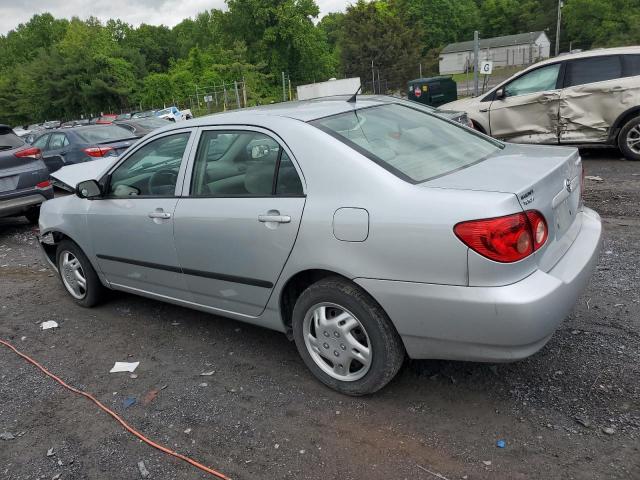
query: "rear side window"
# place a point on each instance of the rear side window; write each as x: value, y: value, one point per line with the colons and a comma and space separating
x: 631, y: 65
x: 592, y: 70
x: 103, y: 134
x: 9, y: 140
x: 242, y: 164
x: 411, y: 144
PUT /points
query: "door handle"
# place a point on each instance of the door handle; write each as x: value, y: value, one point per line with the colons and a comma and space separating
x: 159, y: 214
x: 274, y: 218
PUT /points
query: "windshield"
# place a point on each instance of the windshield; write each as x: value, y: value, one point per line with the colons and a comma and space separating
x: 164, y: 112
x: 9, y: 140
x: 412, y: 144
x: 103, y: 134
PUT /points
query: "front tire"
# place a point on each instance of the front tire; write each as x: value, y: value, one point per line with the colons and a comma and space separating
x: 78, y: 275
x: 345, y: 338
x: 629, y: 139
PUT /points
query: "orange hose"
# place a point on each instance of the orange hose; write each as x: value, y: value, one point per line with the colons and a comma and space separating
x: 116, y: 416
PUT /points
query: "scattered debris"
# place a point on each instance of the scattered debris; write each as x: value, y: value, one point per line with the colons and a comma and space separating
x: 175, y: 324
x: 144, y: 473
x: 150, y: 396
x: 203, y: 384
x: 50, y: 452
x: 501, y: 444
x: 302, y: 452
x: 129, y: 401
x: 594, y: 178
x: 609, y: 430
x: 124, y: 367
x: 49, y: 324
x: 187, y: 431
x: 6, y: 436
x: 276, y: 446
x: 56, y: 476
x: 207, y: 374
x: 437, y: 475
x: 487, y: 462
x: 133, y: 375
x: 583, y: 421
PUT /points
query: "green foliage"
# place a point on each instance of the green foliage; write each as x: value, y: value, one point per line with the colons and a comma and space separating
x: 57, y: 68
x: 374, y: 33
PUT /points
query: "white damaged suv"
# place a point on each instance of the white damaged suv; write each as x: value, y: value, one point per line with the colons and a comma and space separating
x: 585, y: 98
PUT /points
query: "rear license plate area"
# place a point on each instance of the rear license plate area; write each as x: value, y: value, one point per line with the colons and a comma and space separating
x: 8, y: 183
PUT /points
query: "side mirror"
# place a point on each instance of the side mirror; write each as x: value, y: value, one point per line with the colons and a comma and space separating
x: 501, y: 94
x: 88, y: 189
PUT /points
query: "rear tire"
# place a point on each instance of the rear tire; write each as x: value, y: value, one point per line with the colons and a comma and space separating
x: 629, y: 139
x: 345, y: 338
x: 78, y: 275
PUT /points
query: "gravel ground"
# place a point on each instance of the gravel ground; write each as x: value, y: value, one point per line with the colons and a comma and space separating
x: 260, y: 414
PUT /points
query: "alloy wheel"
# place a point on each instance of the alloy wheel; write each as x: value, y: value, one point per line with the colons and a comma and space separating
x: 633, y: 139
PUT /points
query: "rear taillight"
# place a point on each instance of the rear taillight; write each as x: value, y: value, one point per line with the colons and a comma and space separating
x: 505, y: 239
x: 30, y: 152
x: 43, y: 185
x: 97, y: 151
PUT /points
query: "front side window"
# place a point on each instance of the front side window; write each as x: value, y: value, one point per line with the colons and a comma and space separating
x: 591, y: 70
x: 539, y: 80
x: 242, y: 163
x: 152, y: 170
x: 414, y: 145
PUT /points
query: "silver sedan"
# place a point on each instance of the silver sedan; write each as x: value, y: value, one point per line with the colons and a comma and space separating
x: 368, y: 231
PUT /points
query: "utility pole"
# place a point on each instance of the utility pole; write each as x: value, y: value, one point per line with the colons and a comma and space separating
x: 290, y: 95
x: 235, y: 86
x: 284, y: 90
x: 560, y: 5
x: 244, y: 91
x: 373, y: 78
x: 421, y: 70
x: 476, y: 62
x: 379, y: 89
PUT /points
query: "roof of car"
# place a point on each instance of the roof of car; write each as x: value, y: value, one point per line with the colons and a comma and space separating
x: 590, y: 53
x: 303, y: 110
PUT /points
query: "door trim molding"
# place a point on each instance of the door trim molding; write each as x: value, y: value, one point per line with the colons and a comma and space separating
x: 187, y: 271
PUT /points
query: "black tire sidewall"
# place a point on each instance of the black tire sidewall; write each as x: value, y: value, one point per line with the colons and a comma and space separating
x: 95, y: 289
x: 622, y: 139
x: 386, y: 347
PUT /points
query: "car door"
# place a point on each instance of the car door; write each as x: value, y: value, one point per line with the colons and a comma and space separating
x: 596, y: 92
x: 528, y: 110
x: 132, y: 224
x: 238, y: 218
x: 53, y: 155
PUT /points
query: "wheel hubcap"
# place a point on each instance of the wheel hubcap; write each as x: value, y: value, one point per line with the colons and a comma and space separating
x: 337, y: 342
x: 72, y: 275
x: 633, y: 139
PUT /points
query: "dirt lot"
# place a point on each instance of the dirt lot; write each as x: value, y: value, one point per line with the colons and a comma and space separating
x: 262, y: 416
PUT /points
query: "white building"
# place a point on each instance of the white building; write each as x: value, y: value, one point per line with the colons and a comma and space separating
x: 520, y: 49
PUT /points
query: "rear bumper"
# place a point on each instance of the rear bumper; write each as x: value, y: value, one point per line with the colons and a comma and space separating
x: 491, y: 324
x: 16, y: 205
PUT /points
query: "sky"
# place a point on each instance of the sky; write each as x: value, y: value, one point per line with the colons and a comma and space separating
x: 155, y: 12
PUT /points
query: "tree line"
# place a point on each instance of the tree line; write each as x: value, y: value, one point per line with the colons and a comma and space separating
x: 61, y: 69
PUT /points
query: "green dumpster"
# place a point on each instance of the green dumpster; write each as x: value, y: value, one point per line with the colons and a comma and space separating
x: 434, y: 91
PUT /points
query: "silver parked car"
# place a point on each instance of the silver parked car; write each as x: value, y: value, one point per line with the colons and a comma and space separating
x: 368, y: 231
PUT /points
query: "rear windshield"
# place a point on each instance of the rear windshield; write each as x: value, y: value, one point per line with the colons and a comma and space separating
x: 412, y: 144
x: 103, y: 134
x: 9, y: 140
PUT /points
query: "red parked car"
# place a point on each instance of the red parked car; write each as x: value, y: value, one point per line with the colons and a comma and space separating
x: 106, y: 119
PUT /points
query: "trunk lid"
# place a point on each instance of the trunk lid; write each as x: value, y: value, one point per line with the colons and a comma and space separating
x: 544, y: 178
